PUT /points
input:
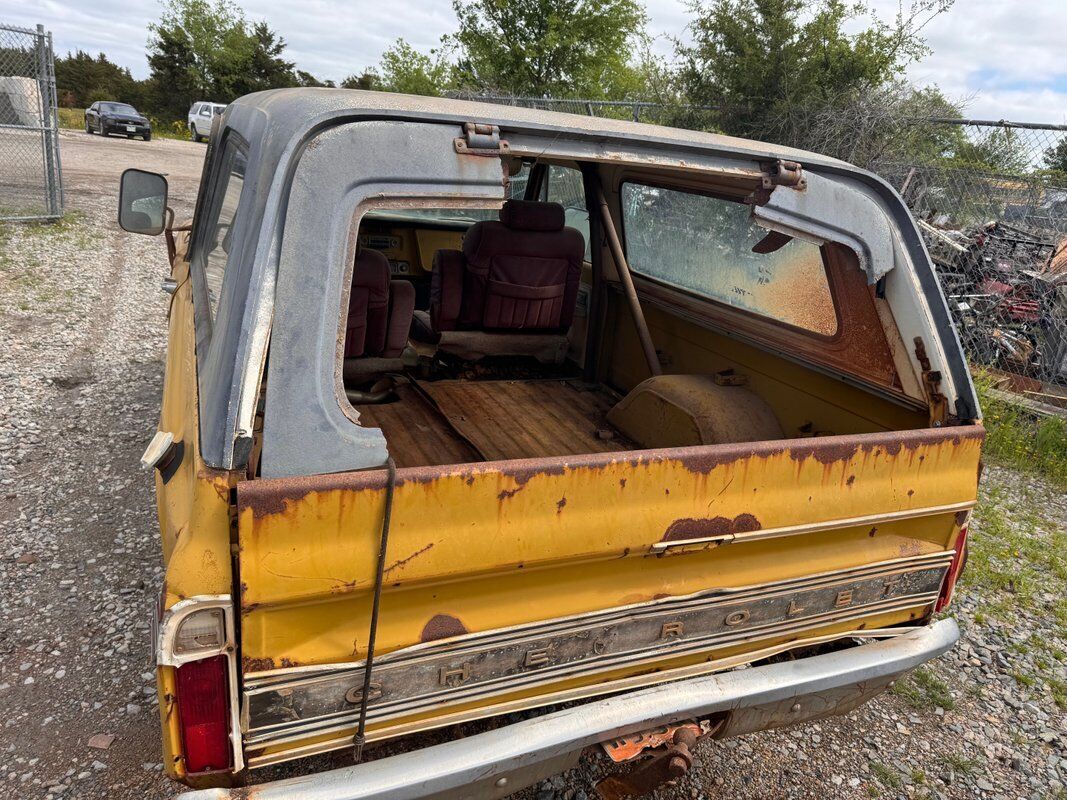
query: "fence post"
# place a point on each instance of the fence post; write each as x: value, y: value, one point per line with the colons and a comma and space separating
x: 45, y: 89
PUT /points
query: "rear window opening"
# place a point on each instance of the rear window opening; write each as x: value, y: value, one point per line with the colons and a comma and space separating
x: 468, y: 334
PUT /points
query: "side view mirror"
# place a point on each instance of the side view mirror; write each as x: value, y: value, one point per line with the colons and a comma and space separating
x: 142, y: 202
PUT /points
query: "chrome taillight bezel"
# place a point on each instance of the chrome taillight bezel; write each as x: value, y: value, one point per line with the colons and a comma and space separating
x: 168, y: 654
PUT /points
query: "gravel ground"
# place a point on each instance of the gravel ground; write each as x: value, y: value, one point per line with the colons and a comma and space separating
x: 82, y: 325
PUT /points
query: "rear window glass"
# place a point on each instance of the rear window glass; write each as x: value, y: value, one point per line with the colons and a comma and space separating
x: 704, y: 245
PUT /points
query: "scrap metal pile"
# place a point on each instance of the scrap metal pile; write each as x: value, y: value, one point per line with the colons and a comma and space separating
x: 1007, y: 290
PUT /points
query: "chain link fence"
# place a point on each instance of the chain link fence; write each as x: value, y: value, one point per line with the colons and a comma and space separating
x: 989, y: 196
x: 30, y: 177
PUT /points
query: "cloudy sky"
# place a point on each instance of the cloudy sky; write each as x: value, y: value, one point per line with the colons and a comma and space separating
x: 1006, y: 56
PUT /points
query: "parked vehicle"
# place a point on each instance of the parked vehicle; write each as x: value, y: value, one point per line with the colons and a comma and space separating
x: 201, y: 115
x: 107, y: 117
x: 422, y: 461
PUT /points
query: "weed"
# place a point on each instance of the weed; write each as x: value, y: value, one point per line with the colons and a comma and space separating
x: 960, y: 764
x: 922, y: 689
x: 886, y: 776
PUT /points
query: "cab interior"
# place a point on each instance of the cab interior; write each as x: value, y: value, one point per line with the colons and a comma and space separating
x: 492, y: 334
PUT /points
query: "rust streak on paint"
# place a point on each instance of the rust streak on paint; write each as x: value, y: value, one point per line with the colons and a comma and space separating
x: 401, y: 562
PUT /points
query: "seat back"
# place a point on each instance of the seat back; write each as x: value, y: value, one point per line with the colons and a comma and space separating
x: 521, y: 273
x: 379, y: 309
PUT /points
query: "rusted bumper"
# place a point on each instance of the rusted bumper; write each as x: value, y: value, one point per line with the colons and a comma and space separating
x: 502, y: 761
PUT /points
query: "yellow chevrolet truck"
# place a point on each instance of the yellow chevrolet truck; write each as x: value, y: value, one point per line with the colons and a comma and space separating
x: 631, y: 434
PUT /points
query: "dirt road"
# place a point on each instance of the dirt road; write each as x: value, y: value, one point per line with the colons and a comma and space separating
x: 81, y: 346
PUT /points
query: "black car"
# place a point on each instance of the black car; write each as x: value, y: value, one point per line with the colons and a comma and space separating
x: 107, y: 117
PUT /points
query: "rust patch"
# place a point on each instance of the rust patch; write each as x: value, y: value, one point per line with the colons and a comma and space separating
x: 851, y: 480
x: 559, y: 505
x: 507, y: 494
x: 404, y: 561
x: 256, y: 664
x: 276, y: 496
x: 872, y: 531
x: 690, y: 528
x: 441, y: 626
x: 288, y: 662
x: 622, y: 483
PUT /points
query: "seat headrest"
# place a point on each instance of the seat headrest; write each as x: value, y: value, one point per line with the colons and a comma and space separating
x: 371, y: 272
x: 530, y: 215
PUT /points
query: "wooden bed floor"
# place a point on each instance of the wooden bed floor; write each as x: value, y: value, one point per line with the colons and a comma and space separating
x: 454, y: 422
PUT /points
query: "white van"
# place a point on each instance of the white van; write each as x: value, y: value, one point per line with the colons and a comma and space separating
x: 200, y: 116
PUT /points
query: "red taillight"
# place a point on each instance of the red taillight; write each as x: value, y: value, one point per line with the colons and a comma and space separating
x: 204, y: 713
x: 959, y: 560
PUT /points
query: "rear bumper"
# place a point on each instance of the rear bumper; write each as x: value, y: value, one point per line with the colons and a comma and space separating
x: 496, y: 763
x: 123, y: 127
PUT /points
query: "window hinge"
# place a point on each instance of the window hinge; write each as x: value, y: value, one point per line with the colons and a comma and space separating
x: 481, y: 139
x: 777, y: 173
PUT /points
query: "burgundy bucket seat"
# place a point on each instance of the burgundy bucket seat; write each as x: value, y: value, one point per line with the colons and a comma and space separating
x: 379, y: 309
x: 520, y: 274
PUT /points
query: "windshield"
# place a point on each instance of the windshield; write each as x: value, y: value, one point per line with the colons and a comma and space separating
x: 118, y: 108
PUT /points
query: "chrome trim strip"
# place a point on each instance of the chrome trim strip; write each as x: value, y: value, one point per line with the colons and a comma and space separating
x: 286, y: 708
x: 502, y: 761
x: 788, y: 585
x: 810, y: 527
x: 572, y: 695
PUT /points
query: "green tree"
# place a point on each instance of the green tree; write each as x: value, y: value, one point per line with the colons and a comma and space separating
x: 560, y: 48
x: 216, y: 37
x: 766, y: 65
x: 206, y: 50
x: 82, y: 80
x: 265, y: 67
x: 404, y: 69
x: 172, y: 83
x: 1055, y: 157
x: 999, y: 150
x: 368, y: 79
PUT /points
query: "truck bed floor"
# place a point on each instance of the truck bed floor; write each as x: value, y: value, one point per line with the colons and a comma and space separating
x: 457, y: 421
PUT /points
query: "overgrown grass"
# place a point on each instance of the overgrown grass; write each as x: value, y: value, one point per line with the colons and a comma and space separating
x: 74, y: 119
x: 924, y: 690
x: 1016, y: 555
x: 1018, y: 439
